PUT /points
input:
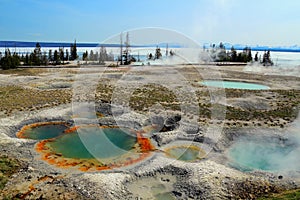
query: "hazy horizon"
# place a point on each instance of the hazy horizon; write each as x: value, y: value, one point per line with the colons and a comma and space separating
x: 115, y: 44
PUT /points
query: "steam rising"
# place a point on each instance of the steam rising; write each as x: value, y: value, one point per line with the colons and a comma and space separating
x: 269, y: 153
x: 286, y: 64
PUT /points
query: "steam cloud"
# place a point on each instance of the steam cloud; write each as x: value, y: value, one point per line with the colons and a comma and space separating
x: 274, y: 70
x: 269, y: 153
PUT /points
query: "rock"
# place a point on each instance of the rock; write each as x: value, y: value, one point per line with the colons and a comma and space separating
x: 189, y: 128
x: 30, y: 169
x: 177, y: 194
x: 172, y: 122
x: 107, y: 121
x: 173, y: 119
x: 18, y: 144
x: 199, y: 138
x: 158, y: 121
x: 104, y: 108
x: 129, y: 124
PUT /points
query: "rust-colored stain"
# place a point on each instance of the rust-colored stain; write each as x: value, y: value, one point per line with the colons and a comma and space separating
x: 72, y: 129
x: 143, y: 151
x: 75, y: 128
x: 32, y: 187
x: 100, y: 115
x: 145, y: 143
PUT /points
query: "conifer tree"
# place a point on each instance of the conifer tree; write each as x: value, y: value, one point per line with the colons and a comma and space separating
x: 73, y: 51
x: 56, y: 57
x: 233, y: 55
x: 256, y: 57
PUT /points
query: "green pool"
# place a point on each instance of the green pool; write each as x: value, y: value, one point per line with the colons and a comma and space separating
x: 94, y: 142
x: 235, y: 85
x: 44, y: 131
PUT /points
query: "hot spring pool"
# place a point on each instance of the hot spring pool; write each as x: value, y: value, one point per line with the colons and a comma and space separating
x: 235, y: 85
x: 248, y: 155
x: 109, y: 142
x: 94, y: 148
x: 185, y: 153
x: 42, y: 131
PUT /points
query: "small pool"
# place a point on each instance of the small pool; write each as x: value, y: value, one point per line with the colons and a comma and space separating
x: 42, y: 131
x: 249, y: 155
x: 185, y: 153
x: 235, y: 85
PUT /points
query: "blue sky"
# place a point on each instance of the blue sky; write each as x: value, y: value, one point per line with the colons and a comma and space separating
x: 262, y: 22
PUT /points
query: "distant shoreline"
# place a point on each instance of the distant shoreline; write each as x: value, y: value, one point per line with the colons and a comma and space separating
x: 21, y: 44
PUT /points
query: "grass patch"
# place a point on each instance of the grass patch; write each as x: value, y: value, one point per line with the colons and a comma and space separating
x: 104, y: 92
x: 151, y: 94
x: 287, y: 195
x: 8, y: 166
x: 16, y: 98
x: 284, y: 104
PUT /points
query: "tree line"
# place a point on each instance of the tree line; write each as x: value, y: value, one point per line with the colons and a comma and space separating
x: 61, y: 56
x: 219, y: 54
x: 37, y: 57
x: 100, y: 57
x: 9, y: 60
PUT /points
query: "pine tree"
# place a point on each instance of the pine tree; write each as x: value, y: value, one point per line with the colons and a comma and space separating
x: 73, y: 51
x: 267, y: 59
x: 233, y: 55
x: 85, y: 56
x: 67, y: 55
x: 256, y: 57
x: 61, y: 54
x: 37, y: 55
x: 221, y: 46
x: 9, y: 61
x: 91, y: 58
x: 56, y: 57
x: 103, y: 55
x: 26, y: 59
x: 44, y: 59
x: 15, y: 60
x: 50, y: 57
x: 249, y: 55
x: 158, y: 54
x: 221, y: 56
